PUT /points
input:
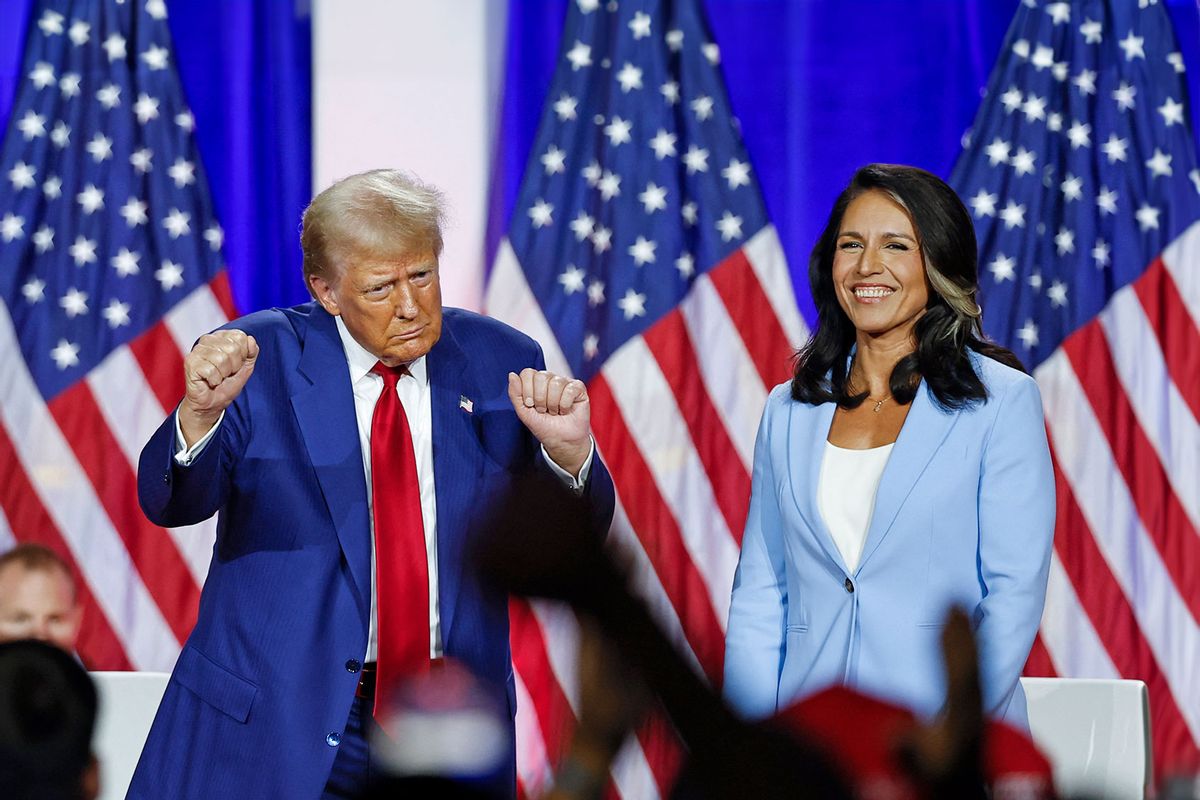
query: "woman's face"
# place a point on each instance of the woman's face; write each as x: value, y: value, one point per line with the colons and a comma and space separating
x: 878, y: 270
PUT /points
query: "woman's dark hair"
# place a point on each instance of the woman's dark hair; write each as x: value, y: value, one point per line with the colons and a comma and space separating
x: 951, y: 324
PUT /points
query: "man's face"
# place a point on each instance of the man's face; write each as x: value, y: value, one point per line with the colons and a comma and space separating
x: 38, y: 604
x: 392, y: 307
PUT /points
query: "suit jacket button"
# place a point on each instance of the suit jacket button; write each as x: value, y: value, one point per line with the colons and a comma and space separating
x: 849, y: 586
x: 353, y: 665
x: 166, y: 477
x: 333, y: 739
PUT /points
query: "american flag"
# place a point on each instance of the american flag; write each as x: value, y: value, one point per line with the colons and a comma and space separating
x: 1081, y: 173
x: 640, y: 256
x: 110, y: 266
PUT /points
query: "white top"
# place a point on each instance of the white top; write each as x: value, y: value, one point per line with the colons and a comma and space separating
x: 846, y: 493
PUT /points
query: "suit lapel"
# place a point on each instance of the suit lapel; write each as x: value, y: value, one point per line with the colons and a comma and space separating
x: 324, y: 409
x: 808, y: 428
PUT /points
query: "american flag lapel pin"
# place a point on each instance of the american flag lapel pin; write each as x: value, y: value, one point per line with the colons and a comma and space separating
x: 466, y: 404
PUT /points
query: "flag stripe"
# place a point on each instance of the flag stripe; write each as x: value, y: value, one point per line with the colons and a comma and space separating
x: 1071, y: 641
x: 533, y: 768
x: 1180, y: 258
x: 555, y: 720
x: 196, y: 314
x: 765, y: 255
x: 131, y: 410
x: 223, y: 293
x: 161, y: 363
x: 1177, y: 335
x: 746, y: 301
x: 1039, y: 664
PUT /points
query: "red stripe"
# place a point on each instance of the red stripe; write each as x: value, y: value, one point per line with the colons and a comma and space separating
x: 98, y: 645
x: 554, y: 714
x: 754, y: 317
x: 159, y: 357
x: 1175, y: 329
x: 675, y: 353
x: 224, y: 294
x: 1105, y: 604
x: 1039, y: 664
x: 151, y: 548
x: 1161, y: 513
x: 657, y: 530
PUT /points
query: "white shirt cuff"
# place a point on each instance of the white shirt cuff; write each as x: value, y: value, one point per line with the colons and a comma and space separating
x: 574, y: 484
x: 185, y: 455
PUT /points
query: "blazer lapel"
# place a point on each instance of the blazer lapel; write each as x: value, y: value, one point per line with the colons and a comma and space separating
x: 925, y: 428
x: 808, y: 428
x: 324, y: 409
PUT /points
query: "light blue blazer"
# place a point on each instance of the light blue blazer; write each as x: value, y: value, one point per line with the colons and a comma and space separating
x: 964, y: 514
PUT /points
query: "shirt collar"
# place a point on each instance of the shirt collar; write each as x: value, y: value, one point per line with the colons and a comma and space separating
x: 361, y: 361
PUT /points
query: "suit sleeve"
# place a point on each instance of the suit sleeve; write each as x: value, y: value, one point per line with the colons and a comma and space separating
x: 1016, y: 534
x: 755, y: 641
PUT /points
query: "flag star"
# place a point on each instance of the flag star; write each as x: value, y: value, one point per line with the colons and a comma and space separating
x: 32, y: 125
x: 116, y: 313
x: 580, y: 56
x: 65, y: 354
x: 1003, y: 268
x: 642, y: 251
x: 674, y: 40
x: 1132, y: 45
x: 1072, y: 187
x: 177, y: 223
x: 737, y: 173
x: 146, y: 108
x: 1022, y: 162
x: 21, y: 176
x: 1101, y: 254
x: 1124, y: 95
x: 125, y: 262
x: 609, y: 185
x: 1061, y: 71
x: 1034, y: 108
x: 689, y: 212
x: 1013, y: 215
x: 997, y: 151
x: 633, y: 304
x: 1011, y: 100
x: 52, y: 187
x: 100, y: 147
x: 984, y: 203
x: 156, y: 9
x: 114, y: 46
x: 591, y: 173
x: 1064, y: 241
x: 711, y: 52
x: 1107, y: 200
x: 663, y: 144
x: 670, y: 92
x: 155, y: 57
x: 42, y: 75
x: 564, y: 107
x: 1114, y: 148
x: 686, y: 265
x: 1035, y: 281
x: 541, y: 213
x: 630, y: 77
x: 83, y: 251
x: 43, y: 239
x: 730, y: 226
x: 134, y: 212
x: 1147, y: 217
x: 572, y: 279
x: 79, y: 32
x: 654, y: 198
x: 140, y: 159
x: 1172, y: 112
x: 1091, y: 31
x: 109, y: 95
x: 12, y: 227
x: 554, y: 160
x: 1080, y: 135
x: 1176, y: 61
x: 591, y: 346
x: 51, y: 23
x: 1043, y: 58
x: 74, y: 302
x: 1194, y: 175
x: 696, y: 159
x: 68, y: 84
x: 185, y: 120
x: 1159, y: 164
x: 1059, y: 12
x: 1085, y: 81
x: 91, y: 199
x: 588, y: 6
x: 617, y: 131
x: 1057, y: 294
x: 582, y: 226
x: 1029, y: 335
x: 1054, y: 121
x: 601, y: 239
x: 169, y: 275
x: 182, y: 172
x: 640, y: 25
x: 1021, y: 48
x: 215, y: 236
x: 34, y: 290
x: 595, y: 293
x: 61, y: 135
x: 703, y: 107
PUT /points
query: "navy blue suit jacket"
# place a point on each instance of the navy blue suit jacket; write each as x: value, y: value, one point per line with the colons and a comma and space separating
x: 265, y: 676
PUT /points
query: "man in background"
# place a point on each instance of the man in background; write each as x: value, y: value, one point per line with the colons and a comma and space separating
x: 37, y: 597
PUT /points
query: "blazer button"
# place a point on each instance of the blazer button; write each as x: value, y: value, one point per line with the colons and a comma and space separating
x: 849, y: 586
x: 166, y: 477
x: 353, y: 666
x: 333, y: 739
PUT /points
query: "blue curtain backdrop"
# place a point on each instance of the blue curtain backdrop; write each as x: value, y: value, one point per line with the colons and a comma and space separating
x: 820, y: 87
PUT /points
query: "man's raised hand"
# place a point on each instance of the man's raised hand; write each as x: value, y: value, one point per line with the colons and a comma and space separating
x: 557, y: 412
x: 214, y: 374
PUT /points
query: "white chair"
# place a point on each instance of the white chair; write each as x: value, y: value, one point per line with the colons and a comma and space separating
x: 1096, y: 734
x: 128, y: 702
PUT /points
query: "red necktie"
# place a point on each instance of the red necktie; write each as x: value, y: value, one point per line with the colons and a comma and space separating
x: 401, y: 567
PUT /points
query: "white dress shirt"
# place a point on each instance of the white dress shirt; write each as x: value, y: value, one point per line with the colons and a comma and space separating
x: 846, y: 493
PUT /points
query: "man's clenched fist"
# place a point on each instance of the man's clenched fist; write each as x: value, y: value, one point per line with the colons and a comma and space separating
x: 214, y: 374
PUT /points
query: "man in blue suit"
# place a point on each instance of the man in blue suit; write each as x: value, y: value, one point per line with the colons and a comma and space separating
x: 272, y: 693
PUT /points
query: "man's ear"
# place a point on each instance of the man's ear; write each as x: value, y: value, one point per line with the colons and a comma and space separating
x: 324, y: 293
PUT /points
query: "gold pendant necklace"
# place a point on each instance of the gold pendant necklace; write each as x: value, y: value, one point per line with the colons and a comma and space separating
x: 879, y: 404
